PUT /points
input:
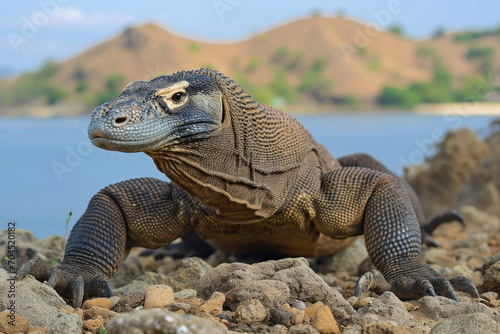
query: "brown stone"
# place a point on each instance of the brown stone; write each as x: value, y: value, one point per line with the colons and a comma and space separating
x: 362, y: 302
x: 97, y: 311
x: 410, y: 307
x: 93, y: 324
x: 311, y: 310
x: 19, y: 325
x: 100, y: 302
x: 129, y: 302
x: 158, y: 296
x: 299, y: 314
x: 214, y: 304
x: 324, y: 321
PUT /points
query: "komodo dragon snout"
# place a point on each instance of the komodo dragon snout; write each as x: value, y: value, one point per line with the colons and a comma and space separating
x: 150, y: 114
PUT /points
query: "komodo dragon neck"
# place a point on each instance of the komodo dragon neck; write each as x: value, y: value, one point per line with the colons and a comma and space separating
x: 244, y: 171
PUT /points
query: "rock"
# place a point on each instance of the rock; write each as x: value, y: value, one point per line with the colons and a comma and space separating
x: 185, y: 294
x: 12, y: 323
x: 303, y: 329
x: 66, y: 323
x: 35, y: 301
x: 277, y: 329
x: 384, y: 328
x: 299, y: 305
x: 489, y: 261
x: 160, y: 321
x: 94, y: 324
x: 273, y: 283
x: 129, y: 302
x: 299, y: 314
x: 352, y: 329
x: 435, y: 255
x: 475, y: 323
x: 347, y: 260
x: 158, y: 296
x: 114, y: 300
x: 459, y: 155
x: 226, y: 316
x: 130, y: 269
x: 195, y: 303
x: 142, y: 282
x: 385, y: 308
x: 475, y: 240
x: 362, y: 302
x: 96, y: 311
x: 491, y: 280
x: 441, y: 307
x: 489, y: 295
x: 186, y: 277
x: 280, y: 316
x: 100, y: 302
x: 175, y: 306
x: 324, y: 321
x: 250, y: 311
x: 214, y: 304
x: 475, y: 216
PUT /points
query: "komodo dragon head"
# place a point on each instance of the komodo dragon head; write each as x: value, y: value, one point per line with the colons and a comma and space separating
x: 150, y: 114
x: 210, y: 138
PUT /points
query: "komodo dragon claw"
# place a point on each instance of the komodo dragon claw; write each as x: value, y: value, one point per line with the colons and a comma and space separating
x: 427, y: 229
x: 412, y: 288
x: 66, y: 284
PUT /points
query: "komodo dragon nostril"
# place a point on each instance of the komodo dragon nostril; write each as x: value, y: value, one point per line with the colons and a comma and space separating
x: 121, y: 120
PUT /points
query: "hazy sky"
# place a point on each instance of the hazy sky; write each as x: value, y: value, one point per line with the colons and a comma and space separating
x: 34, y: 31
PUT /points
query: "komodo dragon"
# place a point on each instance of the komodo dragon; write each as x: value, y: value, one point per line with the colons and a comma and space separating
x: 245, y: 176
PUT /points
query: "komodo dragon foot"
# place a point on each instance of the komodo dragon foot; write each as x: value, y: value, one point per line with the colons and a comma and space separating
x: 67, y: 282
x: 413, y: 285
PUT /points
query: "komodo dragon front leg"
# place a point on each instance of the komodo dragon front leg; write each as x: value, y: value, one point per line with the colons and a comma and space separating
x: 136, y: 213
x: 355, y: 201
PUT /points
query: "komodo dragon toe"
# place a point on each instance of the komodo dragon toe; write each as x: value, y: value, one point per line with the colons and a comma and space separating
x: 245, y: 177
x: 67, y: 282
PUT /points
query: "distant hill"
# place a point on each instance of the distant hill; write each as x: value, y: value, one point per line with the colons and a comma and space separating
x: 318, y: 61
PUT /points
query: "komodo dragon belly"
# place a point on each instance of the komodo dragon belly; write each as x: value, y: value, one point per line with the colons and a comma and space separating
x: 291, y: 232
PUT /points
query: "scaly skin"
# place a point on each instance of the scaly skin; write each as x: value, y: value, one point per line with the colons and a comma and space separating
x: 245, y: 177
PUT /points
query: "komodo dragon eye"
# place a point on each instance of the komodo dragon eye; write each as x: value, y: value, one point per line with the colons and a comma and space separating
x: 173, y: 96
x: 177, y: 97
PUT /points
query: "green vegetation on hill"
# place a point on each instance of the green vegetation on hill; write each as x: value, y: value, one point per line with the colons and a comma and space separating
x: 32, y: 86
x: 472, y: 35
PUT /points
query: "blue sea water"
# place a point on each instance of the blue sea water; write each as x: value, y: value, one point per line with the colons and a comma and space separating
x: 48, y: 167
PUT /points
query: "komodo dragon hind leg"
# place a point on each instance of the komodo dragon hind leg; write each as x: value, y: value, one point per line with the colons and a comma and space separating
x: 426, y: 228
x: 354, y: 201
x: 141, y: 212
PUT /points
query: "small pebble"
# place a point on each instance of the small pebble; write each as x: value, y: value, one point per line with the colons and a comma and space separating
x: 214, y: 303
x: 100, y: 302
x: 175, y: 306
x: 250, y: 311
x: 226, y: 316
x: 158, y: 296
x: 299, y: 304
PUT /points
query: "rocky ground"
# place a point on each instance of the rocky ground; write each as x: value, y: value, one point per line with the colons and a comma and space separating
x: 220, y: 294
